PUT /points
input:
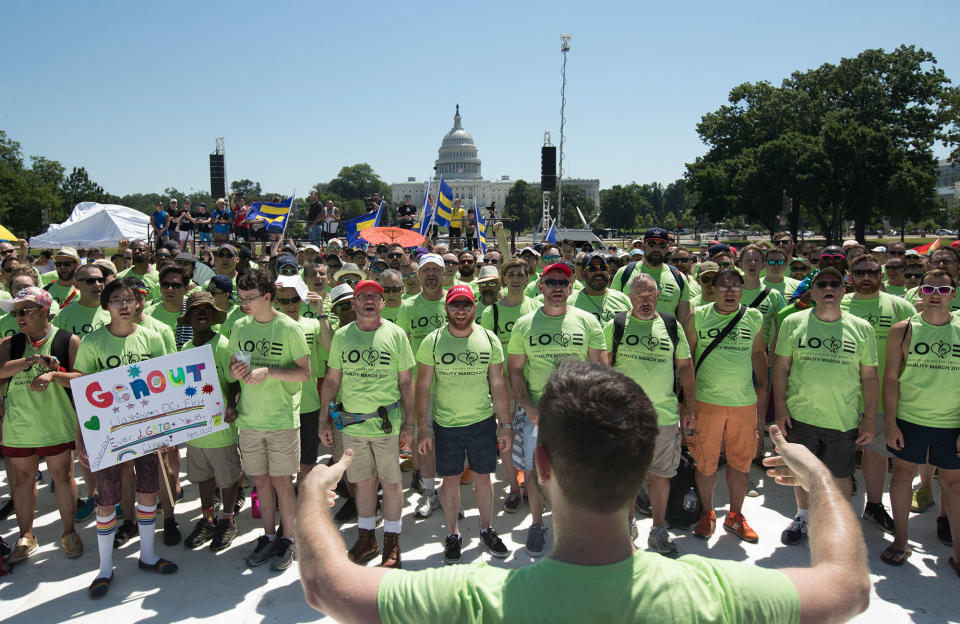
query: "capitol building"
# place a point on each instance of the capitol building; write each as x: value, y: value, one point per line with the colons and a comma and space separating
x: 459, y: 166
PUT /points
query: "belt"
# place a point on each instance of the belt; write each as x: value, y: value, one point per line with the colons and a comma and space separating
x: 350, y: 418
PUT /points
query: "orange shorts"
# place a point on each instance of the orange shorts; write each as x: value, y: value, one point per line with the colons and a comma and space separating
x: 718, y: 425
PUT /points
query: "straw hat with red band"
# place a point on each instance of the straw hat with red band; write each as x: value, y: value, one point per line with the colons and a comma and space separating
x: 460, y: 292
x: 558, y: 266
x: 363, y: 285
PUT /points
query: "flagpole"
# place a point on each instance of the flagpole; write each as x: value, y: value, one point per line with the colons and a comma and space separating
x: 289, y: 214
x: 423, y: 208
x: 436, y: 207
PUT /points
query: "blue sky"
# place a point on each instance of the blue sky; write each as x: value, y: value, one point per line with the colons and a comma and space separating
x: 137, y: 93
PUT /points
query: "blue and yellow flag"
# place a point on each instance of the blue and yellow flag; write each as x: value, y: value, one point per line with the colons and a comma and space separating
x: 481, y: 228
x: 444, y: 205
x: 361, y: 223
x: 552, y: 234
x: 273, y: 216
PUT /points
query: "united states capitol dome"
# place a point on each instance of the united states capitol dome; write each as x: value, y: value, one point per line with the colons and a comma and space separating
x: 457, y: 156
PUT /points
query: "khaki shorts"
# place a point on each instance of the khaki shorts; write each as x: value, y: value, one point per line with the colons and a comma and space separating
x: 276, y: 453
x: 222, y: 463
x: 378, y: 457
x: 721, y: 424
x: 337, y: 444
x: 666, y: 452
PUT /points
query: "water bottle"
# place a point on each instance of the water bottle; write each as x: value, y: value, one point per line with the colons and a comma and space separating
x: 335, y: 416
x: 689, y: 502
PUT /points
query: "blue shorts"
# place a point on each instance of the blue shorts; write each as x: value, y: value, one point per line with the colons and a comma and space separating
x: 932, y: 445
x: 476, y: 442
x: 524, y: 440
x: 204, y: 237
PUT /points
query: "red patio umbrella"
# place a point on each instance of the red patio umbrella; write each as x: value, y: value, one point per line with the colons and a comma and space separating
x: 389, y: 235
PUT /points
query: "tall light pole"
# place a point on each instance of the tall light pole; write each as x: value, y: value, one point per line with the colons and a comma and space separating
x: 564, y: 48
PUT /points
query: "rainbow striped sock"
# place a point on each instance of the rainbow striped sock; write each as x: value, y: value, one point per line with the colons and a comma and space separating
x: 146, y: 523
x: 146, y: 515
x: 107, y: 525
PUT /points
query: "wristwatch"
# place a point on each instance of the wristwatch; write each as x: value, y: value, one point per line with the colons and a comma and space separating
x: 508, y: 426
x: 322, y: 316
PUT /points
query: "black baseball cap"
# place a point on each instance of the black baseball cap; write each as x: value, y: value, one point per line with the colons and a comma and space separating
x: 585, y: 262
x: 657, y: 233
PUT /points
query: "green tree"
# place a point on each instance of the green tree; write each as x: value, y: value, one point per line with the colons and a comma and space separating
x: 78, y: 187
x: 247, y: 189
x: 574, y: 197
x: 621, y: 205
x: 25, y: 192
x: 358, y: 182
x: 524, y: 205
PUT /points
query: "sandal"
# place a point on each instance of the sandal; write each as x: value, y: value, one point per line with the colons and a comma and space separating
x: 162, y: 566
x: 895, y: 556
x: 99, y: 587
x: 953, y: 564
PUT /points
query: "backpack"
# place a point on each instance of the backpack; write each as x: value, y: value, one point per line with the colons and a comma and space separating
x: 620, y: 324
x: 628, y: 271
x: 59, y: 348
x: 680, y: 486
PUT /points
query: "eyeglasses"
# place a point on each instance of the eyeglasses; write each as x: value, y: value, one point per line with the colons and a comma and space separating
x: 65, y: 263
x: 706, y: 281
x: 926, y: 289
x: 288, y: 270
x: 724, y: 265
x: 822, y: 284
x: 23, y: 312
x: 94, y: 280
x: 833, y: 257
x: 249, y: 300
x: 342, y: 307
x: 347, y: 280
x: 729, y: 288
x: 596, y: 268
x: 913, y: 275
x: 460, y: 305
x: 551, y: 258
x: 392, y: 289
x: 121, y: 303
x: 866, y: 272
x: 173, y: 285
x: 943, y: 260
x: 783, y: 241
x: 556, y: 283
x: 395, y: 255
x: 490, y: 285
x: 225, y: 253
x: 285, y: 301
x: 215, y: 292
x: 776, y: 262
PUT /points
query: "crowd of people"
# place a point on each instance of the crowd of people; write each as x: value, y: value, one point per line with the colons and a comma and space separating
x: 444, y: 361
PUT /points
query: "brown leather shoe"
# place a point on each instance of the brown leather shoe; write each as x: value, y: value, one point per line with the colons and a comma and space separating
x: 365, y: 548
x: 391, y: 551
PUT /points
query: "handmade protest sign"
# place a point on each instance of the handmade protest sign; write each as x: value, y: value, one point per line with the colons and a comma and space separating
x: 132, y: 410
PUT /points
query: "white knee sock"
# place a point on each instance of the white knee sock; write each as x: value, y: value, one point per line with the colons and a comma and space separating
x: 106, y: 527
x: 391, y: 526
x: 146, y: 523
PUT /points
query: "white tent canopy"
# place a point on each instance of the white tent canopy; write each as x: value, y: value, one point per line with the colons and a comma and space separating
x: 95, y: 225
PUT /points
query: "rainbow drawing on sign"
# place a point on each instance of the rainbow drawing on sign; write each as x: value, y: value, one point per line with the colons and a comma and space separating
x: 139, y: 421
x: 122, y: 456
x: 162, y: 434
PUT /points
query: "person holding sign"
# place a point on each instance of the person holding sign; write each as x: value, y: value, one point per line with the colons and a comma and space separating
x: 119, y: 343
x: 39, y: 420
x: 271, y: 360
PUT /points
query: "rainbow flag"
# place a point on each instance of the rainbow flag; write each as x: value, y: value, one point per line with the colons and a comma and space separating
x: 929, y: 248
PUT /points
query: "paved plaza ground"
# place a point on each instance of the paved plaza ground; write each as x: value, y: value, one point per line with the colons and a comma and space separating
x: 49, y: 588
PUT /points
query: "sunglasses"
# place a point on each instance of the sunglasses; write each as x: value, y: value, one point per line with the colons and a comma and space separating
x: 173, y: 285
x: 827, y: 284
x: 94, y: 280
x: 895, y: 267
x: 378, y: 269
x: 286, y: 301
x: 163, y: 256
x: 119, y: 303
x: 659, y: 244
x: 342, y: 307
x: 706, y: 281
x: 776, y: 262
x: 940, y: 290
x: 732, y: 288
x: 556, y: 283
x: 551, y: 258
x: 467, y: 262
x: 7, y: 252
x: 913, y: 275
x: 352, y: 282
x: 596, y: 268
x: 683, y: 260
x: 833, y: 257
x: 866, y: 272
x: 392, y: 289
x: 409, y: 275
x: 491, y: 261
x: 451, y: 263
x: 225, y: 254
x: 22, y: 313
x: 395, y: 255
x: 66, y: 263
x: 724, y: 265
x: 784, y: 241
x: 288, y: 270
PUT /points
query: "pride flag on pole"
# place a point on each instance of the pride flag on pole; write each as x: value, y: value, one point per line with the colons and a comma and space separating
x: 444, y: 210
x: 929, y: 248
x: 481, y: 226
x: 552, y: 234
x: 361, y: 223
x: 272, y: 215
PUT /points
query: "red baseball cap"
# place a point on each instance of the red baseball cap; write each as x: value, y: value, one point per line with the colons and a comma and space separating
x: 460, y: 291
x: 558, y: 266
x: 367, y: 285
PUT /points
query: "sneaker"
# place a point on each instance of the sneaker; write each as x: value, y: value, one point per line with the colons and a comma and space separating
x: 124, y: 532
x: 347, y: 512
x: 428, y: 502
x: 406, y: 465
x: 391, y: 551
x: 943, y: 530
x: 512, y: 502
x: 202, y: 533
x: 922, y: 500
x: 263, y: 551
x: 795, y: 532
x: 706, y: 525
x: 365, y: 548
x: 466, y: 477
x: 451, y: 549
x: 643, y: 503
x: 85, y: 509
x: 72, y: 545
x: 536, y: 539
x: 224, y: 535
x: 171, y: 532
x: 285, y: 555
x: 254, y: 505
x: 735, y: 523
x: 494, y: 544
x: 416, y: 482
x: 25, y: 546
x: 660, y: 541
x: 634, y: 530
x: 241, y: 499
x: 878, y: 513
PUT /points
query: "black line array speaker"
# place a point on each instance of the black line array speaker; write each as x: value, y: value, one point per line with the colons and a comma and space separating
x: 548, y: 168
x: 218, y: 176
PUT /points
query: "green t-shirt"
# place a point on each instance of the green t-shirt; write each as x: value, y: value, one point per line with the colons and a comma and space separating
x: 306, y: 310
x: 62, y: 293
x: 603, y: 307
x: 8, y: 326
x: 48, y: 278
x: 785, y: 288
x: 726, y: 375
x: 460, y: 385
x: 221, y: 357
x: 169, y: 338
x: 646, y: 355
x: 34, y: 419
x: 100, y: 350
x: 929, y: 392
x: 695, y: 288
x: 151, y: 280
x: 272, y: 405
x: 310, y: 399
x: 160, y: 313
x: 769, y: 308
x: 391, y: 314
x: 419, y: 316
x: 370, y: 362
x: 643, y: 587
x: 671, y: 293
x: 898, y: 291
x: 234, y: 314
x: 80, y: 320
x: 501, y: 323
x: 823, y: 388
x: 546, y: 340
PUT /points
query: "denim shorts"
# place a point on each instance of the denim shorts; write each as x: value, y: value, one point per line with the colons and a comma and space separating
x: 921, y: 442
